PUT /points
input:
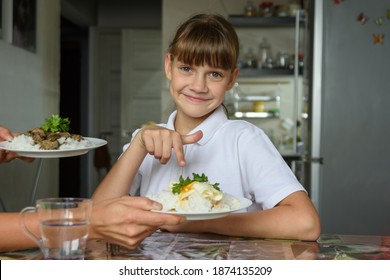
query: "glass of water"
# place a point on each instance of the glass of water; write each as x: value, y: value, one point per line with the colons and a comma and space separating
x: 63, y: 225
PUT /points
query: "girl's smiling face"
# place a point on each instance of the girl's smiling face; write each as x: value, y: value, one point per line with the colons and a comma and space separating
x: 197, y: 90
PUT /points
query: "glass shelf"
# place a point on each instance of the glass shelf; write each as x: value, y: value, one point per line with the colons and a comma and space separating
x: 259, y: 72
x: 253, y: 98
x: 256, y: 115
x: 243, y: 21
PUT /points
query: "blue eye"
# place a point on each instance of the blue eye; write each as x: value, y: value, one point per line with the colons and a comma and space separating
x: 185, y: 68
x: 216, y: 75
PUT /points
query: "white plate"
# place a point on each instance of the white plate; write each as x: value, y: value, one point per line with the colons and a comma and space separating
x: 96, y: 143
x: 244, y: 203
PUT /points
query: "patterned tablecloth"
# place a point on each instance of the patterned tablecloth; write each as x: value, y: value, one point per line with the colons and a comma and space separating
x: 170, y: 246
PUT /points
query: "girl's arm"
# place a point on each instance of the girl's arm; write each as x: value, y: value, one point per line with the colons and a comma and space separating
x: 295, y: 217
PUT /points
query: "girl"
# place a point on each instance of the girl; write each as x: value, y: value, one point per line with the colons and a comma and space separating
x: 198, y: 138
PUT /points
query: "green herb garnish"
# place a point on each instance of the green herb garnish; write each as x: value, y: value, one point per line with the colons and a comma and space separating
x: 56, y: 124
x: 177, y: 187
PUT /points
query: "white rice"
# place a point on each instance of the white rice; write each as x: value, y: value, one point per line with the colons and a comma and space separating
x: 26, y: 143
x: 71, y: 144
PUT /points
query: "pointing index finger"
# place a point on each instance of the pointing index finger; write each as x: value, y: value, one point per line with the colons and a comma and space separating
x: 185, y: 139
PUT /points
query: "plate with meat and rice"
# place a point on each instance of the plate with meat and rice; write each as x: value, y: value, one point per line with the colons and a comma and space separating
x: 51, y: 140
x: 67, y: 150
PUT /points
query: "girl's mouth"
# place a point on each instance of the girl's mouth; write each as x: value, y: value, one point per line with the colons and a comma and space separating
x: 194, y: 98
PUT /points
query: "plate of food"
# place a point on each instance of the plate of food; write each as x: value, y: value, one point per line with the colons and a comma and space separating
x: 198, y: 199
x: 51, y: 140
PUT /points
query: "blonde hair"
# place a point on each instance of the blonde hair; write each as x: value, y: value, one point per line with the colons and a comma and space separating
x: 206, y: 39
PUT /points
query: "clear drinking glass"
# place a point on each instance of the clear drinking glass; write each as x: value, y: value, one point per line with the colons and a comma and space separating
x: 63, y: 226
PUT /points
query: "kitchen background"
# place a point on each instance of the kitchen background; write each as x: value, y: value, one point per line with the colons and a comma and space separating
x: 322, y: 99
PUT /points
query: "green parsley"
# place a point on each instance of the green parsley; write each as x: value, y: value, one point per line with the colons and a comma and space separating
x: 177, y: 187
x: 56, y: 124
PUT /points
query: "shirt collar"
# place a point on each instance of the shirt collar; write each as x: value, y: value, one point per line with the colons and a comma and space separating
x: 208, y: 126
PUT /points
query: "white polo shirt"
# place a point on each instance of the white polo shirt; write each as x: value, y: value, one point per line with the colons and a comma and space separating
x: 234, y: 153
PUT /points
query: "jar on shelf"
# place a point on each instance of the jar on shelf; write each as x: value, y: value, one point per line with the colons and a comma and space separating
x: 294, y: 7
x: 282, y: 59
x: 265, y: 52
x: 301, y: 62
x: 250, y: 59
x: 258, y: 106
x: 266, y: 9
x: 250, y: 9
x: 282, y: 10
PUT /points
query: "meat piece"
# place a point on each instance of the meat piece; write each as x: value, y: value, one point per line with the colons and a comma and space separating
x: 37, y: 138
x: 64, y: 134
x: 57, y: 135
x: 37, y: 134
x: 38, y: 131
x: 77, y: 137
x: 53, y: 136
x: 49, y: 145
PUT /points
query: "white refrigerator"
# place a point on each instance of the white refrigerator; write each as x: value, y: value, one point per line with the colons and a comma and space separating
x: 348, y: 155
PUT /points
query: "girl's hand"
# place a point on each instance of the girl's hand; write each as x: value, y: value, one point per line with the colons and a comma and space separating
x: 159, y: 141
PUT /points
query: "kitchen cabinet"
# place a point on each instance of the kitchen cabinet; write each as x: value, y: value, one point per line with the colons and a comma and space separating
x: 297, y: 25
x: 278, y: 90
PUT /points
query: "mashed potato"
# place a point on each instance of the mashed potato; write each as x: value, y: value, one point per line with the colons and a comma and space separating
x: 196, y: 197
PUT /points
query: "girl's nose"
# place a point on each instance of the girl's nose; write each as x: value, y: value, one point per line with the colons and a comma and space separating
x: 198, y: 84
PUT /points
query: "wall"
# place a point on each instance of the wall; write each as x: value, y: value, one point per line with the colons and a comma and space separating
x: 29, y: 92
x: 81, y: 13
x: 129, y: 14
x: 118, y: 13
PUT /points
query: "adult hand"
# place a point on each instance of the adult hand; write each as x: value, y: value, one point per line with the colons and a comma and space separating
x: 6, y: 134
x: 159, y: 141
x: 7, y: 156
x: 127, y: 221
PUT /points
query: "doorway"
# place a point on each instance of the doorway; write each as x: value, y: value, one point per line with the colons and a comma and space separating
x: 72, y: 101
